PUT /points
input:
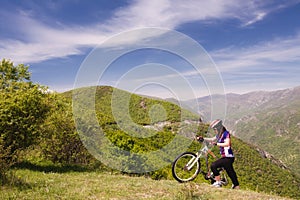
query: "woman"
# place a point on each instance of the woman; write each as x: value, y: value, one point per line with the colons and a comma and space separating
x: 222, y: 140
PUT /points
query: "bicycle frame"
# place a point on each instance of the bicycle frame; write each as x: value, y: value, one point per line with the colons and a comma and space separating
x: 199, y: 154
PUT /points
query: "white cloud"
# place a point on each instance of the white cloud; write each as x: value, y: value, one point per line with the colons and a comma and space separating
x: 168, y: 14
x: 39, y: 42
x: 265, y: 54
x: 259, y: 16
x: 269, y: 65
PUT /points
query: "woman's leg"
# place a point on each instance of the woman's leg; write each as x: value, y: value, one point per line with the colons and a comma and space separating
x: 214, y: 168
x: 215, y: 165
x: 228, y: 165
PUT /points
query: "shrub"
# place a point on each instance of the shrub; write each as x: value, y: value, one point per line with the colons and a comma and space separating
x: 59, y: 140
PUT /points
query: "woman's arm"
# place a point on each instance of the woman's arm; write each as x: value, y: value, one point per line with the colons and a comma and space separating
x: 210, y: 140
x: 213, y: 139
x: 225, y: 144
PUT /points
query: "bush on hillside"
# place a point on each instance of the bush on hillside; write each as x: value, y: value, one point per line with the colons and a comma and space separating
x: 23, y: 107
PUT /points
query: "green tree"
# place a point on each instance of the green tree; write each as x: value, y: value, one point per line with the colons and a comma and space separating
x: 23, y: 107
x: 10, y: 74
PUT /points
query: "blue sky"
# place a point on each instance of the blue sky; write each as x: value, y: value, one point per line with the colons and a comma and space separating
x: 254, y: 44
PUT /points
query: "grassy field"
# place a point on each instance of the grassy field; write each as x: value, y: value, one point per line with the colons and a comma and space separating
x: 98, y: 185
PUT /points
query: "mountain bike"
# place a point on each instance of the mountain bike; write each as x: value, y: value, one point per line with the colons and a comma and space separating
x: 187, y: 166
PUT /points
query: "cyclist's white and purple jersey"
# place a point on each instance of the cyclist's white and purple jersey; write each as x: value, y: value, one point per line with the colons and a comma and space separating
x: 225, y: 151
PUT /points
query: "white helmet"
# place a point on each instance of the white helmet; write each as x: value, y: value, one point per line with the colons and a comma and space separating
x: 216, y: 124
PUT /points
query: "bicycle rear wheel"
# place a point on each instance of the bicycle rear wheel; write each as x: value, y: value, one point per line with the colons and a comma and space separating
x: 182, y: 169
x: 224, y: 179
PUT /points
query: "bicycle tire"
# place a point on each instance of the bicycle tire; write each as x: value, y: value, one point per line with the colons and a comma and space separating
x: 179, y: 171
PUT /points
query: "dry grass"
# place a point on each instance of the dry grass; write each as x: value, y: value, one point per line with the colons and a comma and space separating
x: 94, y: 185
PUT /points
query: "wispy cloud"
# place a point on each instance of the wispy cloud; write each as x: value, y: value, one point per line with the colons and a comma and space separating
x: 265, y: 54
x: 254, y: 11
x: 268, y: 65
x: 259, y: 16
x: 39, y: 41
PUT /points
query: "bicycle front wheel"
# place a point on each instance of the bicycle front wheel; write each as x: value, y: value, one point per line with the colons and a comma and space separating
x: 185, y: 167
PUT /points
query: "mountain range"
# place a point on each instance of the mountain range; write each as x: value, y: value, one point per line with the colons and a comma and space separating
x: 268, y: 119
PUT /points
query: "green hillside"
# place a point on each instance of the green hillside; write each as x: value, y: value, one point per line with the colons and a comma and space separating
x: 255, y: 172
x: 277, y: 131
x: 140, y: 108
